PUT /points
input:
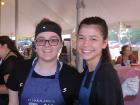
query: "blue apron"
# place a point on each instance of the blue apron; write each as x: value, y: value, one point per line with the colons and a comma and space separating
x: 85, y: 92
x: 42, y: 91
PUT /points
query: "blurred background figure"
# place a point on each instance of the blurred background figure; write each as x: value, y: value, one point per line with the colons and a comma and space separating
x: 126, y: 57
x: 9, y: 55
x: 64, y: 55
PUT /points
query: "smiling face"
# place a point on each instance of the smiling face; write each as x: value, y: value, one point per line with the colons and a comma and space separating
x: 90, y: 42
x: 48, y: 51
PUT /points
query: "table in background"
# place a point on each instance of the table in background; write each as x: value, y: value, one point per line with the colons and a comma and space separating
x: 125, y: 72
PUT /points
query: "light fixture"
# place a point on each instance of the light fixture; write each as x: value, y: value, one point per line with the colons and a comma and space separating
x: 2, y: 3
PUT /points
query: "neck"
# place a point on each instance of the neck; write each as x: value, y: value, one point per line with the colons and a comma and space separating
x: 92, y: 64
x: 6, y: 56
x: 125, y: 57
x: 45, y: 66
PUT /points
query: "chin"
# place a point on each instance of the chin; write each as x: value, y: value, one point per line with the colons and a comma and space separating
x: 86, y: 58
x: 50, y: 59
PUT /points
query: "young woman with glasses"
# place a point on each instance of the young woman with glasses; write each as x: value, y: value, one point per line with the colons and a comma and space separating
x: 45, y: 80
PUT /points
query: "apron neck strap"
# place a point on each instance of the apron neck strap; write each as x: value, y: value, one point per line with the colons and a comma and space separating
x: 57, y: 70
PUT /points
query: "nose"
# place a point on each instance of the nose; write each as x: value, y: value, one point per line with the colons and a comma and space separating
x: 86, y: 42
x: 47, y: 44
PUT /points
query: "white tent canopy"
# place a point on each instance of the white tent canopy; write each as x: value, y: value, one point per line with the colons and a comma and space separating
x: 30, y: 12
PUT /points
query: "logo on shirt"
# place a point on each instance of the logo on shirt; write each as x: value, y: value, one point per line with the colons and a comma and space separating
x: 21, y: 84
x: 64, y: 90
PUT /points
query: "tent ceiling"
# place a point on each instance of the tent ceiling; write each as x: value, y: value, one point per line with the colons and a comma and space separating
x: 64, y: 12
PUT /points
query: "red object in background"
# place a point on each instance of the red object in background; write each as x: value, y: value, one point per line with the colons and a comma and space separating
x: 125, y: 72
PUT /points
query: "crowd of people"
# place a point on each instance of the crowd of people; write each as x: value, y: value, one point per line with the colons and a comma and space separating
x: 47, y: 79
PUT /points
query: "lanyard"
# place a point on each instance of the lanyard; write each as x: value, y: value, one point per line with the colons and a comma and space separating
x: 93, y: 75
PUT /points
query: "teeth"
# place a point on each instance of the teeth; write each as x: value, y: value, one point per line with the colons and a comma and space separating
x: 86, y: 51
x: 47, y: 51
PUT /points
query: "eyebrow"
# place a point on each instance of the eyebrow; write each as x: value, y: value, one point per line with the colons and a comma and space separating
x: 88, y: 36
x: 50, y: 37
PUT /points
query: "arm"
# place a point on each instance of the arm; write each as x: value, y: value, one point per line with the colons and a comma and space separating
x: 133, y: 58
x: 108, y: 88
x: 119, y: 60
x: 3, y: 88
x: 116, y: 93
x: 13, y: 97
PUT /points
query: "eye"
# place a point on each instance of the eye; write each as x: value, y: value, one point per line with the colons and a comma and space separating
x: 80, y: 37
x: 93, y: 39
x: 54, y: 40
x: 40, y: 40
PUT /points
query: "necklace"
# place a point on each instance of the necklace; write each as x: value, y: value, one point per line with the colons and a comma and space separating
x: 6, y: 55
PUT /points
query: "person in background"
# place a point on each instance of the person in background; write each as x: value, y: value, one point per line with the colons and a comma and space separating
x: 100, y: 85
x: 45, y: 80
x: 64, y: 55
x: 126, y: 56
x: 9, y: 56
x: 33, y: 54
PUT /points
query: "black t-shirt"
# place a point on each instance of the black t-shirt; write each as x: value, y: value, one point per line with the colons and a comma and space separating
x: 69, y: 78
x: 7, y: 67
x: 106, y: 87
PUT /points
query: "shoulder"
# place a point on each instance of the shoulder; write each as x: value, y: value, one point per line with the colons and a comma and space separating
x: 69, y: 73
x: 107, y: 67
x: 69, y: 69
x: 132, y: 56
x: 119, y: 57
x: 11, y: 59
x: 22, y: 67
x: 19, y: 74
x: 24, y: 63
x: 107, y: 71
x: 69, y: 80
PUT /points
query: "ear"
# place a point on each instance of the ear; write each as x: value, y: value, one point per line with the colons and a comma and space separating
x: 5, y: 45
x: 61, y: 45
x: 105, y: 43
x: 33, y: 45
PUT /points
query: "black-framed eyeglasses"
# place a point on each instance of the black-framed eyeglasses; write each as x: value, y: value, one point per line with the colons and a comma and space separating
x: 51, y: 42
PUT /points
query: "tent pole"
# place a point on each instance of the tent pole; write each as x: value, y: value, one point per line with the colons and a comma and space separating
x: 16, y: 19
x: 0, y: 17
x: 79, y: 7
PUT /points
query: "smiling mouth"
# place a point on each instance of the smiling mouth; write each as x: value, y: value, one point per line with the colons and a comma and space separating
x: 47, y: 51
x: 87, y: 51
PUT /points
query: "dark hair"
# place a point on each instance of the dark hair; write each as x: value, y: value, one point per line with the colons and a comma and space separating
x: 47, y: 25
x: 104, y: 29
x: 10, y: 44
x: 123, y: 48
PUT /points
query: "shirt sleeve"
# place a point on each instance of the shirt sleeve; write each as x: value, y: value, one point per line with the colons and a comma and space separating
x: 9, y: 65
x: 12, y: 82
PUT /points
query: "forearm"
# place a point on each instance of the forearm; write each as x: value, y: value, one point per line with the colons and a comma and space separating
x: 13, y: 97
x: 3, y: 89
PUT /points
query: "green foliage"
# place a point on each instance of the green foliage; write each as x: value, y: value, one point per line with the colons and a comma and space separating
x: 134, y: 35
